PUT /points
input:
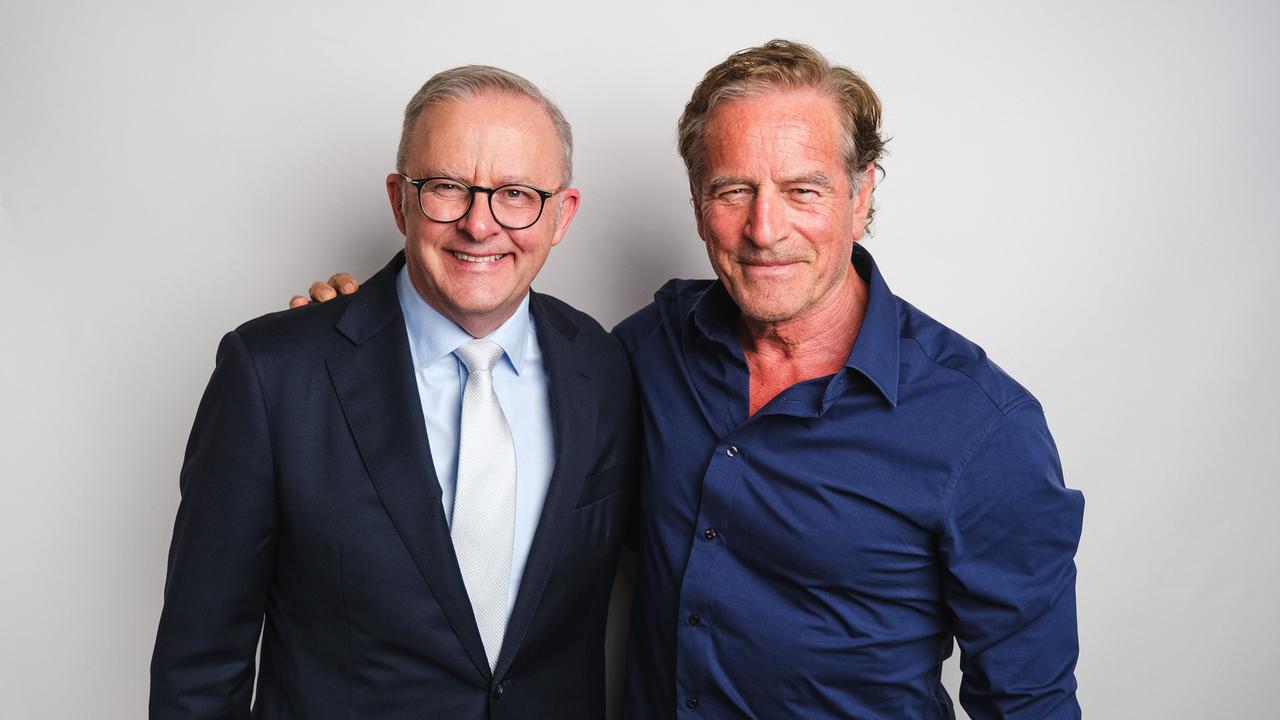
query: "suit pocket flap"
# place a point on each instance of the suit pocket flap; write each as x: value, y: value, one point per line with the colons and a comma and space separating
x: 603, y: 484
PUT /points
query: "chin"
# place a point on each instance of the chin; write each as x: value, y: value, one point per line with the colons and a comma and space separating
x: 767, y: 310
x: 480, y: 295
x: 775, y: 304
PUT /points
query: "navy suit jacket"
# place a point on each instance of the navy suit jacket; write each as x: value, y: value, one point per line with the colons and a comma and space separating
x: 309, y: 498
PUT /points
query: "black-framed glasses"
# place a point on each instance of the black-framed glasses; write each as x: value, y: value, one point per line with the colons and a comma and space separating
x: 446, y: 200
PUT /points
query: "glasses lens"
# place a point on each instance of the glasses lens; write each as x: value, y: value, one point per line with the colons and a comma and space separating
x: 444, y: 200
x: 516, y: 206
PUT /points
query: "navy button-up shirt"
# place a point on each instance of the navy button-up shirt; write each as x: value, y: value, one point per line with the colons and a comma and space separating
x: 816, y: 559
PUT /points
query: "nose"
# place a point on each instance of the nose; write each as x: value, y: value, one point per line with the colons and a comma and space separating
x: 479, y: 222
x: 766, y: 218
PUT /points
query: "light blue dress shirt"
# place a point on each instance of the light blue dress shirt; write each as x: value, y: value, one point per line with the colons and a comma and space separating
x: 521, y: 383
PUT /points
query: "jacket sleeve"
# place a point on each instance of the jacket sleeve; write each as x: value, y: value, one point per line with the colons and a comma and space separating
x: 222, y: 554
x: 1009, y: 540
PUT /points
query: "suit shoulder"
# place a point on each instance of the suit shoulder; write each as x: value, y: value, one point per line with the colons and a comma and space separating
x: 588, y: 335
x: 941, y: 349
x: 582, y: 321
x: 296, y: 330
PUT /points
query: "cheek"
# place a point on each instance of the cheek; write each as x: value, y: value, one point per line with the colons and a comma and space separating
x: 719, y: 252
x: 422, y: 232
x: 827, y: 229
x: 533, y: 247
x: 721, y: 221
x: 719, y: 231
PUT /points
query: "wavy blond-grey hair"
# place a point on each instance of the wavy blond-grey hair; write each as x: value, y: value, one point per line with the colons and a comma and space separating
x: 785, y: 65
x: 468, y: 81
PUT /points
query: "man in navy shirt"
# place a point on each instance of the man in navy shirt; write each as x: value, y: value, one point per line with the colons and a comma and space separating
x: 834, y: 484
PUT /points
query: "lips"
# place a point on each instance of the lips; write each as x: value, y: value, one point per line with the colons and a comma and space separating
x: 768, y: 261
x: 768, y: 264
x: 481, y: 259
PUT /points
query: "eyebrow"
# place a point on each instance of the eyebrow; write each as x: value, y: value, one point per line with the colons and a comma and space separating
x: 811, y: 179
x: 819, y: 179
x: 718, y: 182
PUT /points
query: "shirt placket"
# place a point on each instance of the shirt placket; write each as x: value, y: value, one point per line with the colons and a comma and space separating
x: 704, y: 573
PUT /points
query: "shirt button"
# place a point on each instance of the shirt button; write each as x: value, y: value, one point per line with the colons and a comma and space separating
x: 710, y: 534
x: 732, y: 451
x: 691, y: 703
x: 497, y: 691
x: 694, y: 620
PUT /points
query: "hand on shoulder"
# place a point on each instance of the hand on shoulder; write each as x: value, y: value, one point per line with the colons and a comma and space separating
x: 337, y: 284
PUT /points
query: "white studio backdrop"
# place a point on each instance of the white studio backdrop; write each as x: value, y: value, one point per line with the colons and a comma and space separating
x: 1088, y: 190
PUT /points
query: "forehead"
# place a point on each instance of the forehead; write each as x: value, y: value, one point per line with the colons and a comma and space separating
x: 485, y: 139
x: 777, y: 132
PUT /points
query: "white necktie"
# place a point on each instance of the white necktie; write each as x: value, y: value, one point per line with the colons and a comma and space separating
x: 484, y: 505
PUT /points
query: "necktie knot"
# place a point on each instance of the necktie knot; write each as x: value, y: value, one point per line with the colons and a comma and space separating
x: 479, y: 355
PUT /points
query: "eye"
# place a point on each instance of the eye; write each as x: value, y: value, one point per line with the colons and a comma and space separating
x: 805, y: 194
x: 516, y: 196
x: 446, y: 188
x: 737, y: 195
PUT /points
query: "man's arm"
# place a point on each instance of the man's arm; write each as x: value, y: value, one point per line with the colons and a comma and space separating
x: 1009, y: 541
x: 222, y: 554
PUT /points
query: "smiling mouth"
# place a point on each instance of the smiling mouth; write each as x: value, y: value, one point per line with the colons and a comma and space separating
x: 478, y: 258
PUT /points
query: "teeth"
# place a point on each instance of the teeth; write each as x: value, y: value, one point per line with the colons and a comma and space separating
x: 479, y: 258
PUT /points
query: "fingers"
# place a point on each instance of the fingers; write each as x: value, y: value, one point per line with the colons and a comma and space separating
x: 321, y: 292
x: 343, y: 283
x: 339, y: 283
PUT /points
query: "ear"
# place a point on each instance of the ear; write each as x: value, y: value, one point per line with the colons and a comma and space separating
x: 395, y: 196
x: 862, y: 200
x: 569, y: 200
x: 695, y: 199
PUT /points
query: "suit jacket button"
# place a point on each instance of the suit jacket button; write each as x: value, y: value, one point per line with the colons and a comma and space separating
x: 498, y: 690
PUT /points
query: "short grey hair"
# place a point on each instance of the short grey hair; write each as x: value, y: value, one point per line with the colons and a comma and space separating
x: 469, y: 81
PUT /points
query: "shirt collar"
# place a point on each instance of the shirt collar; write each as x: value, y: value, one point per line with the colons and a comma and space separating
x: 432, y: 335
x: 875, y: 352
x: 713, y: 313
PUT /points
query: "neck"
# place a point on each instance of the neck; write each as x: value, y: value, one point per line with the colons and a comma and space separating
x: 477, y: 327
x: 815, y: 344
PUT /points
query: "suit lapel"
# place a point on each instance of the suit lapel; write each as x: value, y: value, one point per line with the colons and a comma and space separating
x: 375, y: 383
x: 573, y: 413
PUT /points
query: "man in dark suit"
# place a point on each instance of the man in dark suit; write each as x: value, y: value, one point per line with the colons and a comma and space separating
x: 413, y: 532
